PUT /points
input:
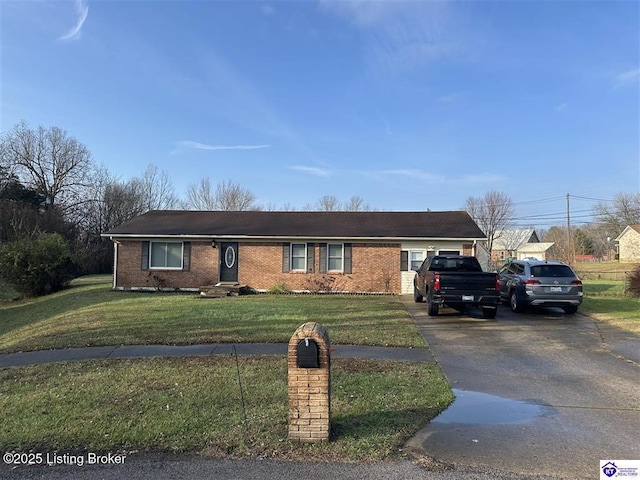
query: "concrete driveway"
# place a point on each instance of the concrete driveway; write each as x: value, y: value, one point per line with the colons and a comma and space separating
x: 537, y: 393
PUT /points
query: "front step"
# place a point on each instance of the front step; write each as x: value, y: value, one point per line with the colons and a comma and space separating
x: 223, y: 289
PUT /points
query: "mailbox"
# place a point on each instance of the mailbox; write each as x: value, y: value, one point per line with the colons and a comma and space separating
x: 307, y: 354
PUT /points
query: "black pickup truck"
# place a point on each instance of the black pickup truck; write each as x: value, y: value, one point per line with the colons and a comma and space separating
x: 456, y: 281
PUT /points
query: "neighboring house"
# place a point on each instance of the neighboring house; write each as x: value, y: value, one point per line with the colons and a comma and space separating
x: 304, y: 251
x: 629, y: 244
x: 507, y: 243
x: 538, y: 251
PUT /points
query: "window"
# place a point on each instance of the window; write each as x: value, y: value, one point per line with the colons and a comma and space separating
x: 165, y: 255
x: 416, y: 258
x: 411, y: 259
x: 299, y: 256
x: 334, y: 257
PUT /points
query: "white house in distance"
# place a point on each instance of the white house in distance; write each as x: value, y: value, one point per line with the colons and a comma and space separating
x: 539, y: 251
x: 507, y: 243
x: 629, y: 244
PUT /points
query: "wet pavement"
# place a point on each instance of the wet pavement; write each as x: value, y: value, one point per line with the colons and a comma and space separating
x: 538, y: 393
x: 477, y: 408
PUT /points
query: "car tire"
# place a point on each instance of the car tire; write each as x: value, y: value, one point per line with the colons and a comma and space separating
x: 416, y: 295
x: 489, y: 312
x: 432, y: 308
x: 570, y: 310
x: 515, y: 303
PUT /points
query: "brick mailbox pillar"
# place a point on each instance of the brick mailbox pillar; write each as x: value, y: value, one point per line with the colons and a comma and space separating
x: 309, y: 383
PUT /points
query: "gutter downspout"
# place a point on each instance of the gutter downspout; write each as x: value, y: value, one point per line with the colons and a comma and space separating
x: 115, y: 262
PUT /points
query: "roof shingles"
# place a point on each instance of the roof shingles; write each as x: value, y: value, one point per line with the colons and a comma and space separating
x: 452, y: 224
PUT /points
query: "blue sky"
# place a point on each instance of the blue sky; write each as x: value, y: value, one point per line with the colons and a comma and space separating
x: 409, y: 105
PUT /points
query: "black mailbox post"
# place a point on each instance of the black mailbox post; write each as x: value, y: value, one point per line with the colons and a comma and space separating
x: 307, y: 354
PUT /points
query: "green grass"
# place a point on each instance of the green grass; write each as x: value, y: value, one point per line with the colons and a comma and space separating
x: 194, y: 404
x: 91, y: 314
x: 604, y: 270
x: 606, y: 301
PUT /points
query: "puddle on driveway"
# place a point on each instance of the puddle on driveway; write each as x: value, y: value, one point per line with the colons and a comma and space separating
x: 477, y: 408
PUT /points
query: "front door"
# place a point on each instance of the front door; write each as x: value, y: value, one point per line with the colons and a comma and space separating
x: 229, y: 262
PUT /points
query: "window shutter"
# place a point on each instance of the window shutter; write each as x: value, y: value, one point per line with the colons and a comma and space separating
x: 286, y: 260
x: 186, y: 256
x: 144, y: 265
x: 404, y: 260
x: 347, y: 258
x: 311, y: 257
x: 323, y: 258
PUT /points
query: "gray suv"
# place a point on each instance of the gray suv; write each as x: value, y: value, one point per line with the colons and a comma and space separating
x: 525, y: 283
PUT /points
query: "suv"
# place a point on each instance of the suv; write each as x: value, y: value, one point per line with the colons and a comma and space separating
x: 526, y: 283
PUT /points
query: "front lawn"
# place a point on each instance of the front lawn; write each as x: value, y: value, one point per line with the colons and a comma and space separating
x: 89, y: 313
x: 194, y: 404
x: 605, y: 301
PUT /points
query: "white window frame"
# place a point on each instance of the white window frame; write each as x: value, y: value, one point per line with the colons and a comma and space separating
x: 329, y: 257
x: 165, y: 267
x: 291, y: 258
x: 424, y: 255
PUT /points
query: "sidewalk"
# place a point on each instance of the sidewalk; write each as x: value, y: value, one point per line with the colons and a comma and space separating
x: 144, y: 351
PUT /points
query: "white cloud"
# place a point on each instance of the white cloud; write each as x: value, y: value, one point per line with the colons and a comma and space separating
x: 401, y: 36
x: 560, y: 107
x: 627, y: 78
x: 315, y: 171
x: 83, y: 11
x: 267, y: 10
x: 204, y: 146
x: 438, y: 179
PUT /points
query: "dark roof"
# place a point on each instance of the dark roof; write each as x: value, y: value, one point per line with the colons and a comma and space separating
x: 453, y: 224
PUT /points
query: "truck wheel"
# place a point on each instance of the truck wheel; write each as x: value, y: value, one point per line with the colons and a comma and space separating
x: 489, y: 312
x: 515, y: 303
x: 416, y: 295
x: 432, y: 308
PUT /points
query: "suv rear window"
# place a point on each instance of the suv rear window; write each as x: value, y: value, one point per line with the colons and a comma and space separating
x: 551, y: 271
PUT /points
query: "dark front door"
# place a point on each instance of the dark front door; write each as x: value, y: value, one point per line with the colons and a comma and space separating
x: 229, y: 262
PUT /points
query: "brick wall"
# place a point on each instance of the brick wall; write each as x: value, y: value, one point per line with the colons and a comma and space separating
x: 309, y: 388
x: 203, y: 269
x: 375, y: 268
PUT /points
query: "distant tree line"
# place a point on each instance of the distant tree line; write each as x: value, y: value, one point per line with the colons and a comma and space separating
x: 495, y: 212
x: 51, y: 191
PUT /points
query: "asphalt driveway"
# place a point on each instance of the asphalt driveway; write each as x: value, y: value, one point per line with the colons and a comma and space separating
x: 537, y: 393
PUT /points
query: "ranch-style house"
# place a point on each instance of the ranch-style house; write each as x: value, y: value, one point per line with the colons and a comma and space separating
x: 373, y: 252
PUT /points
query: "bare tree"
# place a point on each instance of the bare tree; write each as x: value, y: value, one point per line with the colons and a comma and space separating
x: 201, y: 196
x: 155, y: 189
x: 492, y: 213
x: 615, y: 215
x: 231, y: 196
x: 563, y: 246
x: 356, y: 204
x: 49, y: 161
x: 328, y: 203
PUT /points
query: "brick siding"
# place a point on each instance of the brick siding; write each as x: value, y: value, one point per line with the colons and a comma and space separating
x: 375, y: 268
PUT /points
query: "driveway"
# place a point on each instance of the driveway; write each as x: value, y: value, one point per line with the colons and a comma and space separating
x: 537, y: 393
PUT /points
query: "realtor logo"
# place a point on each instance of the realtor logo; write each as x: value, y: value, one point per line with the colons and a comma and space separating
x: 627, y: 469
x: 609, y: 469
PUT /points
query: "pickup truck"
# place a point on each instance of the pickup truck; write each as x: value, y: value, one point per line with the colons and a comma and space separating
x: 456, y: 281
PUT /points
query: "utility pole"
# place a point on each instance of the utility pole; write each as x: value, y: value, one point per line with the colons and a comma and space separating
x: 570, y: 250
